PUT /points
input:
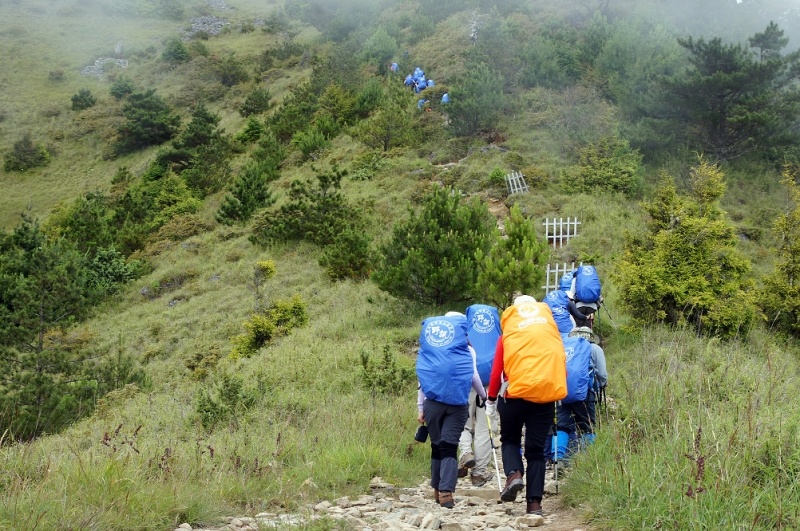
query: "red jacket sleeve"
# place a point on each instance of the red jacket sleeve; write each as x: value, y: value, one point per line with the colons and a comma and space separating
x: 497, y: 370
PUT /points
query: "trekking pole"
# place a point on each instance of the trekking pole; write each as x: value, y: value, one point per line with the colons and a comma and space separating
x: 494, y: 453
x: 603, y: 304
x: 555, y: 445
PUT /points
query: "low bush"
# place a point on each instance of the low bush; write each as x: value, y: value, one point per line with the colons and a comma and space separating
x: 26, y: 155
x: 385, y: 375
x: 256, y: 102
x: 83, y: 100
x: 277, y: 320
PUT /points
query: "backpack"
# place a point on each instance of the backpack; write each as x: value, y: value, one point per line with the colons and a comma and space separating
x: 580, y: 371
x: 587, y: 284
x: 534, y: 360
x: 483, y: 330
x: 557, y: 300
x: 444, y: 362
x: 565, y: 284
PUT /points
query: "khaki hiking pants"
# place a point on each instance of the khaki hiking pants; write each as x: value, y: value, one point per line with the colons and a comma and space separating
x: 475, y: 437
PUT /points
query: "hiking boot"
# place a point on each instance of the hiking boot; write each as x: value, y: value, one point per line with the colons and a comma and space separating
x: 446, y: 499
x: 533, y: 508
x: 479, y: 480
x: 436, y: 495
x: 514, y: 484
x: 466, y: 462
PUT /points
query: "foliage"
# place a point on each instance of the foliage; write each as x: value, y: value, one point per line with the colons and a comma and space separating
x: 225, y: 400
x: 256, y: 102
x: 316, y: 212
x: 348, y: 255
x: 252, y: 131
x: 687, y: 268
x: 149, y: 122
x: 201, y: 131
x: 379, y: 49
x: 83, y: 100
x: 108, y: 270
x: 392, y: 124
x: 86, y: 223
x: 269, y: 149
x: 514, y: 264
x: 294, y: 114
x: 731, y: 103
x: 608, y: 165
x: 476, y: 100
x: 26, y: 155
x: 250, y: 192
x: 780, y: 298
x: 44, y: 286
x: 175, y: 52
x: 277, y: 320
x: 430, y: 257
x: 309, y: 141
x: 121, y: 87
x: 230, y: 70
x: 384, y: 375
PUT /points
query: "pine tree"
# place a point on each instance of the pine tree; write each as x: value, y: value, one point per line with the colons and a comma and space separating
x: 730, y: 103
x: 250, y: 192
x: 431, y: 255
x: 514, y: 264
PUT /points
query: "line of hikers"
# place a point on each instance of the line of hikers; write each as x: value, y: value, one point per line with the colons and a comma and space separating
x: 536, y: 366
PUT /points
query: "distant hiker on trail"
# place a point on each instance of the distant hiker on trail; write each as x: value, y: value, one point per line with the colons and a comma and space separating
x: 585, y: 293
x: 530, y: 354
x: 576, y: 419
x: 475, y: 447
x: 446, y: 369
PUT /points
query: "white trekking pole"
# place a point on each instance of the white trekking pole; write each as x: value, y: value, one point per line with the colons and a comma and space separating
x: 494, y: 452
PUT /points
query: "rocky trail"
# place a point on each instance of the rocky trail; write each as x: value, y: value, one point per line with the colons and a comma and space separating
x: 388, y: 508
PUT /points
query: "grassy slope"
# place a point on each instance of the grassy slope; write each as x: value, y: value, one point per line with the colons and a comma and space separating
x: 315, y: 431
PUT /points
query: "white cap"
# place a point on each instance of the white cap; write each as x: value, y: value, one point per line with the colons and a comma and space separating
x: 454, y: 314
x: 522, y: 299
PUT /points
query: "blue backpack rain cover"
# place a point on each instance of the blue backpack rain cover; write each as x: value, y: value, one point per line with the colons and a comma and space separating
x: 483, y: 330
x: 565, y: 284
x: 444, y: 363
x: 579, y: 368
x: 557, y: 300
x: 587, y: 284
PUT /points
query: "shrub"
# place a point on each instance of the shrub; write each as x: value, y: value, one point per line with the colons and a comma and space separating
x: 226, y: 400
x: 514, y: 264
x: 26, y: 155
x: 256, y: 102
x: 280, y: 318
x: 476, y: 100
x: 56, y: 75
x: 430, y: 256
x: 686, y: 269
x: 608, y: 165
x: 121, y: 87
x: 149, y: 122
x: 175, y: 52
x: 230, y: 70
x: 348, y: 255
x: 83, y: 100
x: 315, y: 213
x: 309, y: 142
x: 108, y: 270
x: 384, y: 375
x: 780, y: 297
x: 252, y: 131
x: 250, y: 192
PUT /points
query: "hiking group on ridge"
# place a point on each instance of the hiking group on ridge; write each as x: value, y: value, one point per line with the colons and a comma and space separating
x: 536, y: 367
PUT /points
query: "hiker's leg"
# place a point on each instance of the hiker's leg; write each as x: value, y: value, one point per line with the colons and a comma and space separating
x: 436, y: 466
x: 538, y: 420
x: 454, y: 420
x: 465, y: 442
x: 566, y: 429
x: 434, y: 418
x: 482, y: 444
x: 512, y: 418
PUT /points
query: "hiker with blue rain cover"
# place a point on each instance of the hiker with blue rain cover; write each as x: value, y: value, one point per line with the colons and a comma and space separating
x: 586, y: 365
x: 586, y: 295
x: 475, y: 447
x: 530, y: 354
x: 446, y: 369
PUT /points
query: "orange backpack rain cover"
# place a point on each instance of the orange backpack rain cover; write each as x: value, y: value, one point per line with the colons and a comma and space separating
x: 534, y: 360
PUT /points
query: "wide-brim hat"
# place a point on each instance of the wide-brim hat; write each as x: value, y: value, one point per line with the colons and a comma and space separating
x: 585, y: 332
